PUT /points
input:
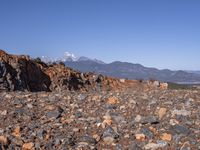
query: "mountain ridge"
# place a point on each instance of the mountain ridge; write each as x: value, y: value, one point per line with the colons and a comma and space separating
x: 128, y: 70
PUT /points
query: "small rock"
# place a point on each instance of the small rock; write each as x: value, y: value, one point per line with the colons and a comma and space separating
x: 127, y: 136
x: 147, y: 133
x: 181, y: 112
x: 108, y: 140
x: 4, y: 113
x: 57, y: 142
x: 17, y: 141
x: 81, y: 97
x: 162, y: 112
x: 106, y: 122
x: 109, y: 135
x: 134, y: 146
x: 55, y: 113
x: 186, y: 146
x: 78, y: 114
x: 119, y: 119
x: 166, y: 137
x: 138, y: 118
x: 179, y: 129
x: 30, y: 106
x: 3, y: 140
x: 122, y: 80
x: 87, y: 139
x: 150, y: 119
x: 96, y: 137
x: 173, y: 122
x: 41, y: 134
x: 76, y: 129
x: 113, y: 100
x: 140, y: 137
x: 28, y: 146
x: 16, y: 132
x: 154, y: 146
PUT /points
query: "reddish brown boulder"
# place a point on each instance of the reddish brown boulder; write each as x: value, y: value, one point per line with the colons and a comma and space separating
x: 21, y: 73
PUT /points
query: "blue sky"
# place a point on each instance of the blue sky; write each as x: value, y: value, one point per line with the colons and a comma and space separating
x: 155, y: 33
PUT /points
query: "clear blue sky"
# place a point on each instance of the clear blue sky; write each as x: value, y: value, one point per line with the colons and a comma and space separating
x: 155, y: 33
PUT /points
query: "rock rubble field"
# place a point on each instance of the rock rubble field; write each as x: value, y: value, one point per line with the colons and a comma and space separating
x: 129, y: 119
x: 53, y: 107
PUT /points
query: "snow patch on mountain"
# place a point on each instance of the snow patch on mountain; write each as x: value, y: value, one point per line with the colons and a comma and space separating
x: 69, y: 57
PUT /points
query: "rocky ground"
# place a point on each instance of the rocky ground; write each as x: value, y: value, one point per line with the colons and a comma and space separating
x: 128, y: 119
x: 50, y: 106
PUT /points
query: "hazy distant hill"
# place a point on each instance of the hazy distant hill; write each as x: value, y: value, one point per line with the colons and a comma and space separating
x: 126, y: 70
x: 133, y: 71
x: 196, y: 72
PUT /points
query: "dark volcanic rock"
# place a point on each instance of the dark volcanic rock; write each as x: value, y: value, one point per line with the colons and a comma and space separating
x: 21, y: 73
x: 150, y: 119
x: 179, y: 129
x: 55, y: 113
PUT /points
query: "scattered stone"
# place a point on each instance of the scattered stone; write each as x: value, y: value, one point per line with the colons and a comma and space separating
x: 179, y: 129
x: 54, y: 114
x: 147, y: 133
x: 162, y: 112
x: 181, y: 112
x: 41, y: 134
x: 134, y: 146
x: 138, y: 118
x: 113, y: 100
x: 30, y: 106
x: 166, y: 137
x: 140, y: 137
x: 186, y: 146
x: 109, y: 135
x: 4, y: 113
x: 3, y: 140
x: 150, y: 120
x: 16, y: 131
x: 154, y: 146
x: 28, y: 146
x: 76, y: 129
x: 87, y: 139
x: 97, y: 137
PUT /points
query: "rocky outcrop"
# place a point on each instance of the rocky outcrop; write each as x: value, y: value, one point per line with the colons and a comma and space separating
x: 64, y: 78
x: 21, y: 73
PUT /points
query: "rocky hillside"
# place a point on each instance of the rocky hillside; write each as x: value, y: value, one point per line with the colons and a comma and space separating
x: 21, y: 73
x: 26, y: 74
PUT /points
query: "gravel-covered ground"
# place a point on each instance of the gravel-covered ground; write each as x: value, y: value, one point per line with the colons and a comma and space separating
x: 129, y: 119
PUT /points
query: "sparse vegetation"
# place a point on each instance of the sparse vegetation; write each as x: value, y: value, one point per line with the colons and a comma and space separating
x: 175, y: 86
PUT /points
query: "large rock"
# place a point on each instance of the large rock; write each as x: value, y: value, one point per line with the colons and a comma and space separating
x: 21, y: 73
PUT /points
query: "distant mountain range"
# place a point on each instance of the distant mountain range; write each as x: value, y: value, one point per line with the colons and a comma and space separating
x: 125, y: 70
x: 196, y: 72
x: 69, y: 57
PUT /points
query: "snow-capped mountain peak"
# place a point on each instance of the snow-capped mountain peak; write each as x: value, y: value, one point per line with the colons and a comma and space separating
x: 68, y: 57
